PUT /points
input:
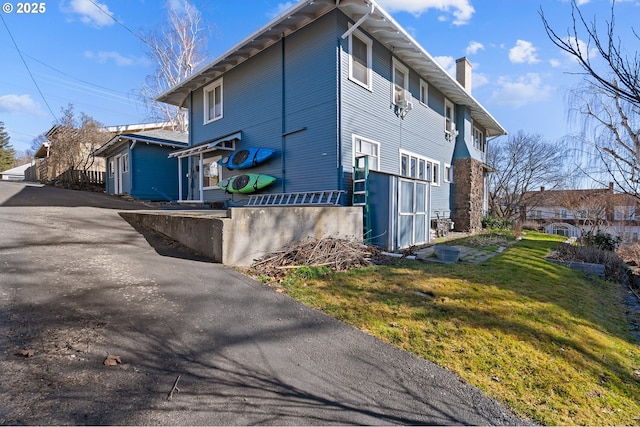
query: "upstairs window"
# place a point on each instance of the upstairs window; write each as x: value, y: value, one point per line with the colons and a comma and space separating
x: 424, y: 93
x: 213, y: 102
x: 360, y: 47
x: 449, y: 121
x: 400, y: 89
x: 478, y: 140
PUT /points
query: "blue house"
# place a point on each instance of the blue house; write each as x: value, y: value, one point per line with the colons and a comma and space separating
x: 138, y: 164
x: 350, y: 102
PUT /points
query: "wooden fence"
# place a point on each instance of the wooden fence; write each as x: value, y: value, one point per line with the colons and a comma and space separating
x: 82, y: 177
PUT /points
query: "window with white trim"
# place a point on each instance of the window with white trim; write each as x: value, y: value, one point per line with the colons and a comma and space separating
x: 213, y: 102
x: 111, y: 167
x: 360, y: 47
x: 212, y: 172
x: 419, y: 167
x: 424, y: 93
x: 449, y: 120
x: 125, y: 163
x: 400, y: 88
x: 479, y: 142
x: 448, y: 173
x: 366, y: 147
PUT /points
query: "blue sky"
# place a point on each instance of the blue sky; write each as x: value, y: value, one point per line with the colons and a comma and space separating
x: 77, y: 53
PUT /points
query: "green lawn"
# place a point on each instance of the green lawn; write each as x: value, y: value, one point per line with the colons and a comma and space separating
x: 549, y: 342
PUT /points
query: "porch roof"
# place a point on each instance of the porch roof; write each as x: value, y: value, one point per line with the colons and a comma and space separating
x: 372, y: 18
x: 163, y: 138
x: 217, y: 144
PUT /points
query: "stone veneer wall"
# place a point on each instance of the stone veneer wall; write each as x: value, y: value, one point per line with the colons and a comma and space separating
x: 468, y: 193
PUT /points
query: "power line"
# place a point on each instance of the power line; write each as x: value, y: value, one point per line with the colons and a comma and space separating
x: 27, y: 67
x: 110, y: 15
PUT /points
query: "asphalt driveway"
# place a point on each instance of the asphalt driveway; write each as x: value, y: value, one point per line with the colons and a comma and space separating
x: 78, y: 283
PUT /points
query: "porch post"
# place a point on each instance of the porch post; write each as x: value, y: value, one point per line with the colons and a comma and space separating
x: 201, y: 177
x: 180, y: 178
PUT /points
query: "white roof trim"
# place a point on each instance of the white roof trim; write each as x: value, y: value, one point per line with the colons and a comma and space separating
x: 379, y: 24
x: 207, y: 146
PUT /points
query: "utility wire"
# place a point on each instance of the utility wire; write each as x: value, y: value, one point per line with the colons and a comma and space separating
x: 110, y: 15
x: 27, y: 67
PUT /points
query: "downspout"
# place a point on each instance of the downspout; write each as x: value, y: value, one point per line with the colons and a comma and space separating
x: 339, y: 147
x: 283, y: 112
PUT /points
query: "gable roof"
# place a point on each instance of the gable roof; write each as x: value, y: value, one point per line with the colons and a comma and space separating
x: 17, y: 171
x: 370, y: 17
x: 160, y: 137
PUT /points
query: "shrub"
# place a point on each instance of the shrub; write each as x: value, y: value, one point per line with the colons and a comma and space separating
x: 496, y: 223
x: 600, y: 240
x: 614, y: 267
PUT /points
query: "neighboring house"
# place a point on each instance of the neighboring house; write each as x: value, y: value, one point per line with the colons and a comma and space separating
x: 138, y: 164
x: 50, y: 163
x: 573, y: 213
x: 328, y: 84
x: 15, y: 174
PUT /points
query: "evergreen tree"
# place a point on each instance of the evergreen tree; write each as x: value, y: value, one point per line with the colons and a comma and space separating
x: 7, y: 153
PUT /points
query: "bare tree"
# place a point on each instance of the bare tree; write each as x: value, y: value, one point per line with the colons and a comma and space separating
x: 176, y: 49
x: 74, y: 139
x: 522, y: 163
x: 608, y: 102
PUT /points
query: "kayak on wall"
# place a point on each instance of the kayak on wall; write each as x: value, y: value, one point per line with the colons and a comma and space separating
x: 246, y: 183
x: 247, y: 158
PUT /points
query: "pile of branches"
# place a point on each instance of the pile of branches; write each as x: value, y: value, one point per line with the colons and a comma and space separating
x: 336, y: 254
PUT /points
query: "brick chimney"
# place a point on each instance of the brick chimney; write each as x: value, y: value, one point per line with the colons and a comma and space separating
x: 463, y: 73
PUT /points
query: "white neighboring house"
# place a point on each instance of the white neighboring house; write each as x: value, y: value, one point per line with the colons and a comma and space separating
x: 15, y: 174
x: 573, y: 213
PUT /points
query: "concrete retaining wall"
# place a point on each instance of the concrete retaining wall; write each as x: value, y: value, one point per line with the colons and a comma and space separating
x: 245, y: 234
x: 585, y: 267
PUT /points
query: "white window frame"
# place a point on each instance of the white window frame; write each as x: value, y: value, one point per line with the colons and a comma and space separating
x: 367, y: 41
x: 208, y: 89
x: 479, y: 143
x: 125, y: 163
x: 112, y: 167
x: 449, y: 122
x: 207, y: 161
x: 424, y: 93
x: 406, y: 96
x: 447, y: 175
x: 357, y: 153
x: 430, y: 167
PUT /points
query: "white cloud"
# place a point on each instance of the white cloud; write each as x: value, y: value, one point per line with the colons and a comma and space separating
x: 555, y: 63
x: 461, y: 9
x: 448, y: 63
x: 524, y: 90
x: 474, y: 47
x: 479, y: 80
x: 522, y: 52
x: 97, y: 14
x: 120, y: 60
x: 19, y: 104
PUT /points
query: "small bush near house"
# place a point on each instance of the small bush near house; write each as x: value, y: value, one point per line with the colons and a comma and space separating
x: 614, y: 267
x: 491, y: 222
x: 600, y: 240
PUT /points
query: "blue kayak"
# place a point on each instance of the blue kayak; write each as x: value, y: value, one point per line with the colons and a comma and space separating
x: 247, y: 158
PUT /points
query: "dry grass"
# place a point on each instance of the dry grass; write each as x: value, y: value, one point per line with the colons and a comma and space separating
x: 551, y: 343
